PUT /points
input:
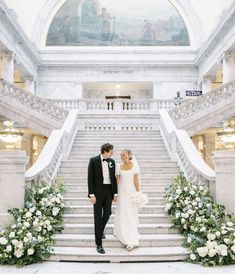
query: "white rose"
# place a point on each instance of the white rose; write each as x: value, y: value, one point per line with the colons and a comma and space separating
x: 202, y: 251
x: 217, y: 233
x: 229, y: 224
x: 211, y: 236
x: 32, y: 209
x: 224, y: 252
x: 189, y: 240
x: 185, y: 189
x: 226, y: 240
x: 9, y: 248
x: 193, y: 257
x: 168, y: 206
x: 30, y: 251
x: 18, y: 253
x: 198, y: 199
x: 41, y: 191
x: 178, y: 191
x: 12, y: 234
x: 28, y: 214
x: 182, y: 221
x: 49, y: 228
x: 192, y: 192
x: 212, y: 252
x: 3, y: 241
x: 47, y: 222
x: 233, y: 248
x: 26, y: 224
x: 38, y: 213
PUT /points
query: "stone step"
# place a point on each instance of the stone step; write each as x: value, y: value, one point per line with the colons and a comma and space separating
x: 144, y: 169
x: 85, y: 201
x: 74, y: 165
x: 148, y: 209
x: 144, y: 180
x: 144, y: 187
x: 83, y: 176
x: 143, y: 161
x: 142, y: 157
x: 143, y: 229
x: 89, y: 218
x: 141, y: 254
x: 83, y: 240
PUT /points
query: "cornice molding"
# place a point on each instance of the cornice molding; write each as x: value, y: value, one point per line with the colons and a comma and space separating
x: 216, y: 38
x: 18, y: 37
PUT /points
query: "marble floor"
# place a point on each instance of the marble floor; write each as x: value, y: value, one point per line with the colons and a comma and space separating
x: 116, y: 268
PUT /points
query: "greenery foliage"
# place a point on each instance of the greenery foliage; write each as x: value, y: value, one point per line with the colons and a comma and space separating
x: 209, y: 230
x: 29, y: 239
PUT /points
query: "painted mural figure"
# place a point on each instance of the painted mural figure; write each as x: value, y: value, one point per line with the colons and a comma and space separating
x: 148, y: 33
x: 106, y: 25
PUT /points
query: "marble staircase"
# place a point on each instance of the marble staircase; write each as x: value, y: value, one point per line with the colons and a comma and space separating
x: 159, y: 241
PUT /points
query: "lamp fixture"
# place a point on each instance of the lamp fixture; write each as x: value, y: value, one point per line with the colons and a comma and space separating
x: 228, y: 133
x: 9, y: 134
x: 117, y: 86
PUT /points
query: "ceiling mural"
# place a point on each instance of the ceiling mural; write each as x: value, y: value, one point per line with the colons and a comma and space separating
x: 117, y: 23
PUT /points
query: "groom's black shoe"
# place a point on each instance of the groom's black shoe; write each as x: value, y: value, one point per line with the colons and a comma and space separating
x: 103, y: 236
x: 100, y: 249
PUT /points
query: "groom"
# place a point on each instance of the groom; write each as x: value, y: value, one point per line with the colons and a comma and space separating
x: 102, y: 189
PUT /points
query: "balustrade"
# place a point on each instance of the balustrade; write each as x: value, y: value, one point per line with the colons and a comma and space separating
x: 116, y: 105
x: 32, y: 101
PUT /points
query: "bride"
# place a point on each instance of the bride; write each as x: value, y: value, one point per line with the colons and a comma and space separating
x: 126, y: 217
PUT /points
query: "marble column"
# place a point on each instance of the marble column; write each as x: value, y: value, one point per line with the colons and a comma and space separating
x: 228, y: 67
x: 78, y: 93
x: 7, y: 66
x: 225, y: 173
x: 12, y: 183
x: 157, y: 90
x: 207, y: 83
x: 208, y: 148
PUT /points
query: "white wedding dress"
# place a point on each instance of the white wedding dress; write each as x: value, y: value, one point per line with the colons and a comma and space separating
x: 126, y: 217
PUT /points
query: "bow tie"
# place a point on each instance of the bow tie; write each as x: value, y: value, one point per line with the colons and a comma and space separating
x: 105, y: 160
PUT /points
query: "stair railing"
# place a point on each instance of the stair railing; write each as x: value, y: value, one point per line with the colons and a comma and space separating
x: 57, y: 147
x: 211, y: 98
x: 181, y: 148
x: 31, y: 101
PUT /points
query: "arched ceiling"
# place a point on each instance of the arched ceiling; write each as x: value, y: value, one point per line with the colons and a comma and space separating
x: 207, y: 12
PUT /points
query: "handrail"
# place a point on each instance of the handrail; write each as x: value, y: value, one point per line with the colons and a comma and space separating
x: 31, y: 101
x: 181, y: 148
x: 57, y: 147
x: 211, y: 98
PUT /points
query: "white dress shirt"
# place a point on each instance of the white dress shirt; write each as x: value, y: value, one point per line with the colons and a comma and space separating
x: 105, y: 169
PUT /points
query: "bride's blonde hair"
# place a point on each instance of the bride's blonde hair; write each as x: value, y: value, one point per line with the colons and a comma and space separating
x: 128, y: 152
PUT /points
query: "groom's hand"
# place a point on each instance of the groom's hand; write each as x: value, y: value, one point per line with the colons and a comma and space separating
x: 93, y: 199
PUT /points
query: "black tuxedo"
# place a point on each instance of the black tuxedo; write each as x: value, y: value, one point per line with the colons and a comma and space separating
x: 104, y: 193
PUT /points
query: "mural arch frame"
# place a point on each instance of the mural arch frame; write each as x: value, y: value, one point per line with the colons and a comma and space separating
x: 51, y: 7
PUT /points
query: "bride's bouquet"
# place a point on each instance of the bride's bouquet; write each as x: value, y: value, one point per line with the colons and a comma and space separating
x: 139, y: 199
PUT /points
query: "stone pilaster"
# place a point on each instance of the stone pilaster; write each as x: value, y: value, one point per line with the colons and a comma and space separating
x: 228, y: 67
x: 225, y: 183
x: 207, y: 83
x: 28, y: 83
x: 7, y: 66
x: 12, y: 182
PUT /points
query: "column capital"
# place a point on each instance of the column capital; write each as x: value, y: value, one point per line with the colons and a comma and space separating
x: 226, y: 55
x: 208, y: 77
x: 7, y: 54
x: 27, y: 77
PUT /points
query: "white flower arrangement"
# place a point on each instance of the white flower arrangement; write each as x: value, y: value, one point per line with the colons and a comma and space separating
x: 29, y: 240
x: 209, y: 230
x: 139, y: 199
